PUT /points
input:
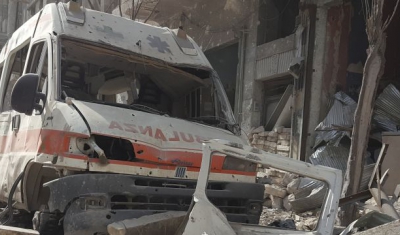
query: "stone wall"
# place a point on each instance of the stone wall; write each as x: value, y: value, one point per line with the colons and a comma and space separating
x: 276, y: 141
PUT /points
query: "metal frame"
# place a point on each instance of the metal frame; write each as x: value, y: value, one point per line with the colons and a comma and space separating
x: 205, y: 218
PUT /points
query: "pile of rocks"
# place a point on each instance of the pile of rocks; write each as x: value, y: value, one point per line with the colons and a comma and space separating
x: 279, y: 188
x: 275, y: 141
x: 279, y: 192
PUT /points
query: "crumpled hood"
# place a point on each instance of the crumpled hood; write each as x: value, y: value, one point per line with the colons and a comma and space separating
x: 161, y: 134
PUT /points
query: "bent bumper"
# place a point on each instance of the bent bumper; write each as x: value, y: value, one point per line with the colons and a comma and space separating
x: 101, y: 199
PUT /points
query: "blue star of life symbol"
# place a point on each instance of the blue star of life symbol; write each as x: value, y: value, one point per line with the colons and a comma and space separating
x: 162, y: 46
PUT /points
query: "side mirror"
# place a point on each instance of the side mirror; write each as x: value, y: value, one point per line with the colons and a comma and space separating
x: 24, y: 97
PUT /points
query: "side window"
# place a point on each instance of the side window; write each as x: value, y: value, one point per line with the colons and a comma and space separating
x: 38, y: 64
x: 18, y: 62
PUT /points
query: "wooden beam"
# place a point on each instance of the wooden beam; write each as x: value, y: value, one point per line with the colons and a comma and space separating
x: 373, y: 71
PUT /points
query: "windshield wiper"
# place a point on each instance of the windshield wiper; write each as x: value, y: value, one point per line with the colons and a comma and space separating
x: 133, y: 107
x: 218, y: 122
x: 147, y: 109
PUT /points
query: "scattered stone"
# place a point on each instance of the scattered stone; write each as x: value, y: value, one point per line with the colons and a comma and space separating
x: 286, y: 204
x: 272, y: 139
x: 287, y: 178
x: 268, y: 203
x: 263, y: 134
x: 293, y: 186
x: 287, y: 224
x: 275, y: 190
x: 272, y: 134
x: 283, y: 148
x: 278, y: 129
x: 283, y: 142
x: 255, y: 136
x: 258, y: 130
x: 275, y: 173
x: 284, y: 136
x: 278, y: 181
x: 277, y: 202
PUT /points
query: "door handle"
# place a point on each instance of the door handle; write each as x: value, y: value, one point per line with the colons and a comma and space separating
x: 16, y: 121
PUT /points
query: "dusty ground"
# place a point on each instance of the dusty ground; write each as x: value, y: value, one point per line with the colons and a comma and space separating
x: 304, y: 221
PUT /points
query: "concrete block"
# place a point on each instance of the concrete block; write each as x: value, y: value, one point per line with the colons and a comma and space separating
x: 277, y: 180
x: 258, y: 130
x: 268, y: 203
x: 283, y: 153
x: 283, y: 148
x: 283, y: 142
x: 284, y: 136
x: 271, y: 144
x: 255, y: 136
x: 263, y: 134
x: 259, y: 146
x: 272, y: 134
x: 277, y: 202
x: 261, y: 142
x: 287, y: 178
x: 272, y: 138
x: 293, y: 186
x: 286, y: 204
x: 278, y: 129
x: 275, y: 190
x: 162, y: 224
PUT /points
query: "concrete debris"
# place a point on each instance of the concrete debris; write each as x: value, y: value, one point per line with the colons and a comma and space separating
x: 258, y: 130
x: 275, y: 190
x: 302, y: 221
x: 287, y: 223
x: 267, y: 203
x: 286, y: 204
x: 277, y: 202
x: 162, y: 223
x: 288, y: 178
x: 293, y: 186
x: 276, y: 141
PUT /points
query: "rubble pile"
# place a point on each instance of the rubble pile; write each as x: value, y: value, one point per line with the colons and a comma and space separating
x: 279, y: 188
x: 275, y: 141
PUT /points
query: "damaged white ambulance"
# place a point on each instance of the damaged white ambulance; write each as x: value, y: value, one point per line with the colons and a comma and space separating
x: 102, y: 120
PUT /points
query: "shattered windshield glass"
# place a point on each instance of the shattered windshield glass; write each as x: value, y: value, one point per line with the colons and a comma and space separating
x: 95, y: 74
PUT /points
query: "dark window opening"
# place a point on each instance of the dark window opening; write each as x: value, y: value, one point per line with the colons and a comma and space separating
x: 277, y: 19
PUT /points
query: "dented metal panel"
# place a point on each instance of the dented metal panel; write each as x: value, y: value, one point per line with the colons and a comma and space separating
x: 203, y: 213
x: 139, y: 38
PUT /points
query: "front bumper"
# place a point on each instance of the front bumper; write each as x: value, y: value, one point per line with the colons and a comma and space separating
x: 92, y: 201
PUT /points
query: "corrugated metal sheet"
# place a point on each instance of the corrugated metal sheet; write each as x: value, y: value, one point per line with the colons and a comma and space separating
x: 340, y: 115
x: 311, y: 195
x: 336, y: 157
x: 275, y: 65
x: 387, y: 109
